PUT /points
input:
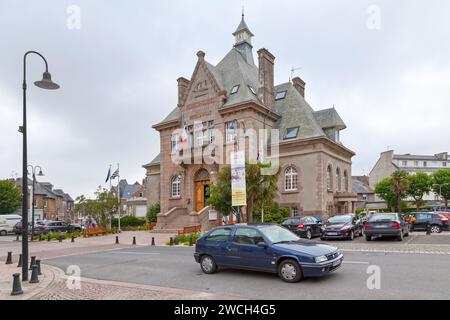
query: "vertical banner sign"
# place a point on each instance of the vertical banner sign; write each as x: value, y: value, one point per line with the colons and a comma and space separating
x: 238, y: 189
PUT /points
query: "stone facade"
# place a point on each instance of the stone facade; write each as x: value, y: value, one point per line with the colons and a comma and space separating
x: 238, y: 92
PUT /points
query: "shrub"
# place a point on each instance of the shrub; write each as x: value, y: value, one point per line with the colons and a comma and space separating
x: 128, y: 221
x: 153, y: 211
x: 184, y: 238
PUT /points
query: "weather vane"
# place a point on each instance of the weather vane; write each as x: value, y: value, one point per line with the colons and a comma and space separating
x: 292, y: 72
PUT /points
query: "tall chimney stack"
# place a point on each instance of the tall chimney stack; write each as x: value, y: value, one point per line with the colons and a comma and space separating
x: 183, y: 84
x: 266, y: 77
x: 299, y: 84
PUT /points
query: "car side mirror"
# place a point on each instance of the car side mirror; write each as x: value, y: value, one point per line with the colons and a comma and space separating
x: 262, y: 244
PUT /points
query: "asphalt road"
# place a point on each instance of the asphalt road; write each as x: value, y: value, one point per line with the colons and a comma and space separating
x: 403, y: 276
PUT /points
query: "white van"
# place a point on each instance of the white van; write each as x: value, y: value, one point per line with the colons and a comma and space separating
x: 7, y: 223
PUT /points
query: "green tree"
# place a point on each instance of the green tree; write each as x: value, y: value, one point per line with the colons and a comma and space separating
x: 441, y: 184
x: 101, y: 208
x: 152, y: 212
x: 399, y: 185
x: 261, y: 190
x: 383, y: 190
x: 419, y: 185
x: 10, y: 197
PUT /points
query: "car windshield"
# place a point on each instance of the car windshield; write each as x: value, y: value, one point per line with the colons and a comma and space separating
x: 277, y: 234
x: 340, y: 219
x: 383, y: 217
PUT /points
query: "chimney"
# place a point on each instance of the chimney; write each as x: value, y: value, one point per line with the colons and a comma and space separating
x: 183, y: 84
x: 299, y: 85
x: 266, y: 77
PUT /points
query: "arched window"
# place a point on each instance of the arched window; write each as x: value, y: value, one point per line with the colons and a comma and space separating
x: 329, y: 179
x: 345, y: 181
x: 290, y: 179
x: 338, y: 179
x: 175, y: 190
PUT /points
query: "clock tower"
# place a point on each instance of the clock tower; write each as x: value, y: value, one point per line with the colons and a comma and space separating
x: 243, y: 41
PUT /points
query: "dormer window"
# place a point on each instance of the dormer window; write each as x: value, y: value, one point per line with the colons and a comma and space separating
x: 252, y: 90
x: 280, y: 95
x: 235, y: 89
x: 291, y: 133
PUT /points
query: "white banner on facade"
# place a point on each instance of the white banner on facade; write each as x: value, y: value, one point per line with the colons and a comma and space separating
x: 238, y: 187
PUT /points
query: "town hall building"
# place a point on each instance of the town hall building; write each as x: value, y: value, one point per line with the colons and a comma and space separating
x: 239, y: 93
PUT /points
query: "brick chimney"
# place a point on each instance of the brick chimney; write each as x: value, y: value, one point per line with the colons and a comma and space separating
x: 183, y: 84
x: 299, y: 85
x: 266, y: 77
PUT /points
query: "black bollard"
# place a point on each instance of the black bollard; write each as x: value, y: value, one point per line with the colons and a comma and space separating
x: 34, y: 275
x: 33, y: 262
x: 171, y: 241
x: 17, y: 238
x: 17, y: 287
x: 153, y: 241
x: 9, y: 258
x: 134, y: 240
x: 117, y: 239
x: 60, y: 238
x: 19, y: 264
x: 38, y: 263
x: 49, y: 238
x: 190, y: 241
x: 428, y: 229
x: 73, y: 238
x: 40, y: 237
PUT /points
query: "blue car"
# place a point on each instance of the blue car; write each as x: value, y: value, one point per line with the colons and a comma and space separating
x: 265, y: 247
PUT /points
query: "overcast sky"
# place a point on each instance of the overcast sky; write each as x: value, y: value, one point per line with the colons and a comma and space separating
x: 384, y: 65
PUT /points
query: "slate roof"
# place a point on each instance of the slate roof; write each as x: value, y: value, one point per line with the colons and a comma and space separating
x: 237, y: 69
x: 416, y: 157
x: 296, y: 112
x: 242, y: 26
x: 155, y: 161
x: 329, y: 118
x: 359, y: 187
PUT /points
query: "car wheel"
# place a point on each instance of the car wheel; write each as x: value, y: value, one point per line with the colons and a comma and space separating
x: 208, y: 264
x: 368, y: 238
x: 400, y: 237
x: 308, y: 234
x: 3, y: 233
x: 289, y: 271
x: 323, y: 238
x: 435, y: 229
x: 351, y: 236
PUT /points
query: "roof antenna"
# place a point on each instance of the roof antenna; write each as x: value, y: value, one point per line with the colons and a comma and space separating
x: 292, y: 72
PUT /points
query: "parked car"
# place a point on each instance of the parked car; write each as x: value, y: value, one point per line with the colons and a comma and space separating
x: 345, y: 226
x: 386, y: 225
x: 444, y: 213
x: 61, y: 226
x: 38, y: 229
x: 305, y: 227
x: 265, y: 247
x: 7, y: 223
x: 437, y: 222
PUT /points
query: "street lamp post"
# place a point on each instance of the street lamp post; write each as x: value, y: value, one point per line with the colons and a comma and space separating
x: 33, y: 173
x: 45, y: 83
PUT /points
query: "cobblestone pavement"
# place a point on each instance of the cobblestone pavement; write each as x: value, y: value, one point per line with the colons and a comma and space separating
x: 92, y: 289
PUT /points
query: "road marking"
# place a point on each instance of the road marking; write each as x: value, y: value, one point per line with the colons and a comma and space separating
x: 397, y: 251
x: 355, y: 262
x: 132, y: 252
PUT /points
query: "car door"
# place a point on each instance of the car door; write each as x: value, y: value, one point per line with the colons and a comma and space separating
x: 249, y: 254
x: 216, y: 245
x: 312, y: 224
x: 421, y: 221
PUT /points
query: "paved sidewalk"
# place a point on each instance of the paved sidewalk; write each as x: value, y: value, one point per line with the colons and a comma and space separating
x: 53, y: 286
x: 46, y: 250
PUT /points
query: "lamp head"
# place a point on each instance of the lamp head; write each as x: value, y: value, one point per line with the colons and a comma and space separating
x: 40, y: 174
x: 46, y: 82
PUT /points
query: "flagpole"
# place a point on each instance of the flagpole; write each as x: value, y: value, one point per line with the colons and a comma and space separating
x: 118, y: 191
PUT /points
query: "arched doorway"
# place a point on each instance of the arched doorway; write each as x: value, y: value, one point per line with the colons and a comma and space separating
x: 201, y: 183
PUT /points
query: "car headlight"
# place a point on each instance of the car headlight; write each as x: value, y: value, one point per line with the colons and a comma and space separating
x: 320, y: 259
